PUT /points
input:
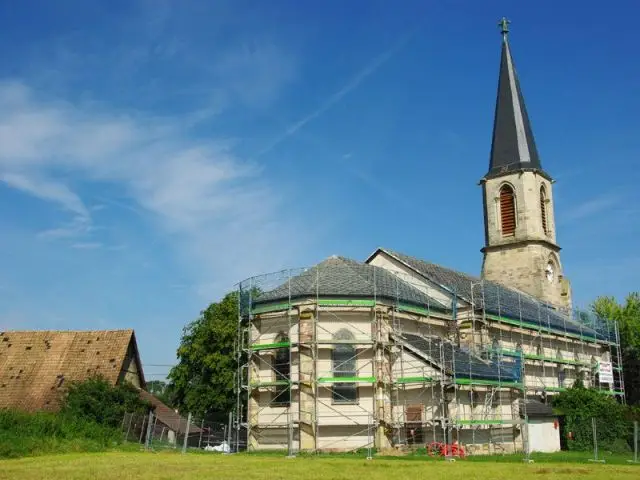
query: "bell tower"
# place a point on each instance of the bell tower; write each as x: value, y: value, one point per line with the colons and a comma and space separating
x: 520, y: 232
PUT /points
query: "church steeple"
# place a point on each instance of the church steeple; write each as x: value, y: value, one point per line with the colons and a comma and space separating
x: 513, y: 147
x: 520, y: 248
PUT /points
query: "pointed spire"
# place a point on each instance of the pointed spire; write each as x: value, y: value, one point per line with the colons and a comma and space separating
x: 513, y: 147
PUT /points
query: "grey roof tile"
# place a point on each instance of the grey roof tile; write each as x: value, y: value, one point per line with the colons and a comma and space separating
x: 340, y: 277
x: 534, y: 409
x: 463, y: 363
x: 500, y: 300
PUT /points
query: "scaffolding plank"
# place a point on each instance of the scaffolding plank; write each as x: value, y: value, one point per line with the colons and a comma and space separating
x: 414, y: 380
x: 270, y: 307
x: 513, y: 421
x: 555, y: 389
x: 269, y: 346
x: 346, y: 379
x: 480, y: 381
x: 345, y: 302
x: 269, y: 384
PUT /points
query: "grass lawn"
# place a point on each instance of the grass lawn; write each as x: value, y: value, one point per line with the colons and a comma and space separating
x: 170, y: 465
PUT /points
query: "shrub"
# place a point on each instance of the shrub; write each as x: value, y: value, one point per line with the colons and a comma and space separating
x: 90, y: 418
x: 98, y: 401
x: 579, y: 406
x: 24, y: 434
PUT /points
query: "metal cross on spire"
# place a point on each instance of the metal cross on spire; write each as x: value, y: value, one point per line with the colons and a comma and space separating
x: 504, y: 26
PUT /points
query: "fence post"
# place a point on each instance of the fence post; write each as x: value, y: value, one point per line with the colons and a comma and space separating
x: 224, y: 434
x: 290, y: 453
x: 229, y: 432
x: 201, y: 430
x: 595, y: 442
x: 635, y: 443
x: 448, y: 450
x: 527, y: 446
x: 369, y: 436
x: 126, y: 435
x: 186, y: 434
x: 147, y: 440
x: 144, y: 419
x: 237, y: 424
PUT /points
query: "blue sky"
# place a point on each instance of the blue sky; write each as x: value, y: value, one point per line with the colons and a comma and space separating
x: 154, y: 153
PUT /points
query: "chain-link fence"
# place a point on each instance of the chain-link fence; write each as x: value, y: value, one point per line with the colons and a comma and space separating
x: 605, y: 438
x: 593, y: 437
x: 169, y: 430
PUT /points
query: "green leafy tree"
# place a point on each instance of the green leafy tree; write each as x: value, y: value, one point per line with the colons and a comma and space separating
x: 99, y: 401
x: 203, y: 380
x: 161, y: 390
x: 628, y: 317
x: 156, y: 387
x: 579, y: 405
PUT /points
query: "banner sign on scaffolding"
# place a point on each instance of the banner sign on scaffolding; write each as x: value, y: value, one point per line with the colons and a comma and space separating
x: 605, y: 372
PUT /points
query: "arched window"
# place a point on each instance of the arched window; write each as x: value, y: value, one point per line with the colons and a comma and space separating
x: 343, y: 363
x: 495, y: 349
x: 561, y: 375
x: 507, y: 210
x: 282, y: 369
x: 550, y: 270
x: 543, y: 209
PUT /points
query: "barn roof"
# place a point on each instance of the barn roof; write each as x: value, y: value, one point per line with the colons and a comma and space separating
x: 35, y: 365
x: 167, y: 416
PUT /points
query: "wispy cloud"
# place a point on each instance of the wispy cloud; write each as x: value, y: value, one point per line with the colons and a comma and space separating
x: 77, y: 226
x: 240, y: 68
x: 593, y: 206
x: 374, y: 182
x: 46, y: 189
x: 351, y: 85
x: 87, y: 245
x: 197, y: 190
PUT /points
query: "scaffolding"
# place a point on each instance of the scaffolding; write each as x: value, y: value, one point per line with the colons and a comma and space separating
x: 348, y: 356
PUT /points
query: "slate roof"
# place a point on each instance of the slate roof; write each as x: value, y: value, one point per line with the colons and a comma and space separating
x: 463, y: 363
x: 534, y: 409
x: 496, y: 299
x: 513, y: 146
x: 35, y: 366
x: 340, y: 277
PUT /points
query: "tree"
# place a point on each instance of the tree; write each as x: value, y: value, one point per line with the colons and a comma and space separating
x: 203, y: 380
x: 97, y: 400
x: 161, y: 390
x: 627, y: 316
x: 579, y: 405
x: 156, y: 387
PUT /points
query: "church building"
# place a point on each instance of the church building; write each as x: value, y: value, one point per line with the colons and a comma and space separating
x: 396, y: 352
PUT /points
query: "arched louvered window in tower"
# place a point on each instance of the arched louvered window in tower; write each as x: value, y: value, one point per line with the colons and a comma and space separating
x: 507, y: 210
x: 543, y: 210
